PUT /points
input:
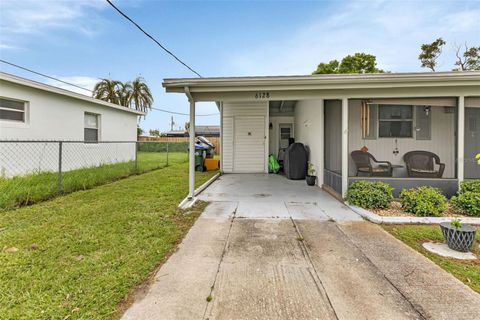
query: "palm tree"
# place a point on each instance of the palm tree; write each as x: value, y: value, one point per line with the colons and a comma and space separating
x: 107, y: 90
x: 124, y: 93
x: 140, y: 96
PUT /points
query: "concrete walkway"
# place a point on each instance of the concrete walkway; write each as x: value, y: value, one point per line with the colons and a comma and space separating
x: 300, y: 261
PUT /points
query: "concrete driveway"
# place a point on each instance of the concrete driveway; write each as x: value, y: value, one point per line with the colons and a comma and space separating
x: 267, y: 248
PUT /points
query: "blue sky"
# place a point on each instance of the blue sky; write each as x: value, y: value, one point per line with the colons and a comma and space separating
x: 83, y: 40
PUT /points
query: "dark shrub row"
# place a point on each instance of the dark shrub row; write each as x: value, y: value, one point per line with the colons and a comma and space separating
x: 422, y: 201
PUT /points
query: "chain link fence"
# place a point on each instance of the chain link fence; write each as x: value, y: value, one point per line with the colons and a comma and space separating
x: 31, y: 171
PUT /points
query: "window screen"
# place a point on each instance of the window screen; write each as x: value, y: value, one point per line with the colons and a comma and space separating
x: 423, y: 126
x: 395, y: 121
x: 12, y: 110
x: 90, y: 133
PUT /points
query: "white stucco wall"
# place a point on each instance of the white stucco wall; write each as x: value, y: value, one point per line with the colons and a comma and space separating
x: 52, y: 116
x: 309, y: 131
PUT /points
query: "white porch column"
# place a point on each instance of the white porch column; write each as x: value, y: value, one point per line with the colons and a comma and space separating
x: 344, y: 146
x: 461, y: 139
x: 191, y: 171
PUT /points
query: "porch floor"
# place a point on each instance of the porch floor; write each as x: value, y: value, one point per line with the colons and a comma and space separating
x: 273, y: 196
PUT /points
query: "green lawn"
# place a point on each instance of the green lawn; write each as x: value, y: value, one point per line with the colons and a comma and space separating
x: 415, y: 235
x: 25, y: 190
x: 81, y: 254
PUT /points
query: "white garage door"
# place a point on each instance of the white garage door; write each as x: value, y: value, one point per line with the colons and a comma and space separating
x: 249, y: 144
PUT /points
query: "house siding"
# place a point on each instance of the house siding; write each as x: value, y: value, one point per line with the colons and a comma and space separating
x: 240, y: 154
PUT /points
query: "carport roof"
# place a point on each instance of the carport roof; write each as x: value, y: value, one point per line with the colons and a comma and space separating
x: 330, y: 81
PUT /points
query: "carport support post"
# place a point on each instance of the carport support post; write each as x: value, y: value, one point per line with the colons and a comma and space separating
x: 344, y: 147
x: 461, y: 139
x: 191, y: 171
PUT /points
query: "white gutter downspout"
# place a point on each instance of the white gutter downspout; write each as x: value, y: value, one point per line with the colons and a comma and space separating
x: 191, y: 155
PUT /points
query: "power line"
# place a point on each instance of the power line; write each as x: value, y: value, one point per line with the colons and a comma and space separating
x: 153, y: 39
x: 185, y: 114
x: 44, y: 75
x: 80, y: 87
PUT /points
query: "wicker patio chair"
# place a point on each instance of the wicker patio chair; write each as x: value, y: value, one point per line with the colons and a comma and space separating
x: 421, y: 164
x: 365, y: 164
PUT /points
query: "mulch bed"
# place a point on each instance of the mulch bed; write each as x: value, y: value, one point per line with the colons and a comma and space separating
x: 395, y: 210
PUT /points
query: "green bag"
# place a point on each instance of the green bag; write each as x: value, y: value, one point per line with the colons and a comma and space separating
x: 273, y: 165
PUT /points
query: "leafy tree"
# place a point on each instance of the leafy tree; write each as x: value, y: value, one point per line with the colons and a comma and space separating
x: 430, y: 53
x: 154, y: 133
x: 327, y: 68
x: 357, y: 63
x: 469, y: 60
x: 139, y: 131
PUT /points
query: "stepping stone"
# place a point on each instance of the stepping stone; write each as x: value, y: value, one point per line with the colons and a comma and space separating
x: 443, y: 250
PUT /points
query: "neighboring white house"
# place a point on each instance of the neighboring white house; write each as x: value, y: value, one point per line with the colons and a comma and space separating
x: 389, y: 114
x: 33, y: 111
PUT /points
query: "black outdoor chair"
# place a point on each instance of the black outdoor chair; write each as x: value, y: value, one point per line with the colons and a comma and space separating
x: 367, y: 164
x: 421, y: 164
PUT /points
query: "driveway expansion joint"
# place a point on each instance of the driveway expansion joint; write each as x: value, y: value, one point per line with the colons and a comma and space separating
x: 315, y: 276
x: 209, y: 299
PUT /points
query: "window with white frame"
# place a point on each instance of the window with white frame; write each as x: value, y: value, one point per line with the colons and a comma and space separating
x: 91, y: 132
x: 395, y: 121
x: 12, y: 110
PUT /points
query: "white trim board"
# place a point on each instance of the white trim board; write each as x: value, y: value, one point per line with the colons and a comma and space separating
x: 375, y: 218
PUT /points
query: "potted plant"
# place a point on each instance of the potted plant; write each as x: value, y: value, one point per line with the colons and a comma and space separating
x: 311, y: 177
x: 459, y: 237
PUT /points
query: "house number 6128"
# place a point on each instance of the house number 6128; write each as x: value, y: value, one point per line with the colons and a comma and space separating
x: 262, y: 95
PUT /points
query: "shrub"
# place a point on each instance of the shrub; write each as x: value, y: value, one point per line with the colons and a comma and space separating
x: 468, y: 203
x: 423, y: 201
x: 470, y: 186
x: 161, y: 146
x: 370, y: 195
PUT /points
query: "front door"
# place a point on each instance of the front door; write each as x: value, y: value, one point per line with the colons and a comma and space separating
x: 285, y: 133
x: 472, y: 142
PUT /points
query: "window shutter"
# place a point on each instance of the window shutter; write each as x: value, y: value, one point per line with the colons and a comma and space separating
x: 423, y: 120
x: 368, y: 120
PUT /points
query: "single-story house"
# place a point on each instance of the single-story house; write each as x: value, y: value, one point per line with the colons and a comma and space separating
x: 388, y: 115
x: 34, y: 114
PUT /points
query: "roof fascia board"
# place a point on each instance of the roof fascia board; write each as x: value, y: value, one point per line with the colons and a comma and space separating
x: 324, y: 82
x: 357, y: 93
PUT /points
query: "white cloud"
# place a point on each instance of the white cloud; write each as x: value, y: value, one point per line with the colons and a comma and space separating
x: 393, y: 31
x: 81, y: 81
x: 21, y: 19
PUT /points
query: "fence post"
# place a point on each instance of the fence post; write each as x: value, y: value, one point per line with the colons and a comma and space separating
x: 167, y: 153
x: 136, y: 156
x: 59, y: 178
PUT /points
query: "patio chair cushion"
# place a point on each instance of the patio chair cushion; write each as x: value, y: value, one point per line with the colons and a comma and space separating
x: 423, y: 171
x: 373, y: 169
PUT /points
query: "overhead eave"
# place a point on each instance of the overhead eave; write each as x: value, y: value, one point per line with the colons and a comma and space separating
x: 324, y: 82
x: 45, y: 87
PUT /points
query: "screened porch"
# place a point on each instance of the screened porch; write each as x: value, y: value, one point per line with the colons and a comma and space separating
x: 403, y: 142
